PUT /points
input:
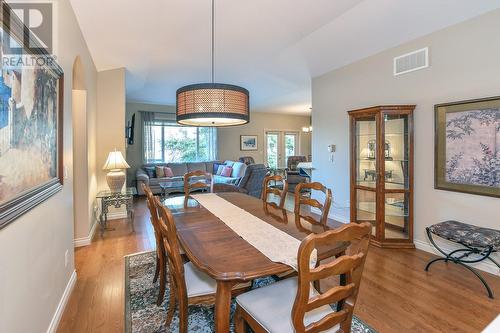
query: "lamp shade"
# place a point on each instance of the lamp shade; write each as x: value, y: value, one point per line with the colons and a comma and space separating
x: 115, y: 161
x: 212, y: 105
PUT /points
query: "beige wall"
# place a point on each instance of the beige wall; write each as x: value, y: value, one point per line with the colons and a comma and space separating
x: 134, y: 152
x: 229, y: 138
x: 464, y: 64
x: 110, y: 118
x: 33, y: 274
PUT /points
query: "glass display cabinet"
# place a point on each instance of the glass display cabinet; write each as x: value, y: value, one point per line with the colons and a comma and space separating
x: 382, y: 173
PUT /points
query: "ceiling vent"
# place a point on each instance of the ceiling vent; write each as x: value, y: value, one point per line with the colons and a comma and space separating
x: 411, y: 62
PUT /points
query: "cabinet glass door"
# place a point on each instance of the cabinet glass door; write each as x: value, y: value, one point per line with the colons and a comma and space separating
x: 366, y: 151
x: 396, y: 170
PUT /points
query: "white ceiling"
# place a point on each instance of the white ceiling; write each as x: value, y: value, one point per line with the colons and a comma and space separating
x: 270, y: 47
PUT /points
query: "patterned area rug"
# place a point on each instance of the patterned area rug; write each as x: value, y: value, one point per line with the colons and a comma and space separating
x: 142, y: 315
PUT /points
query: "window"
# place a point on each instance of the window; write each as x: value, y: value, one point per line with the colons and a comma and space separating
x: 165, y: 141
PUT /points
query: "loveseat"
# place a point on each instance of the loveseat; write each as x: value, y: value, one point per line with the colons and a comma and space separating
x: 147, y: 174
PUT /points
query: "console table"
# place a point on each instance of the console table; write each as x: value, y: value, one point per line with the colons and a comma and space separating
x: 116, y: 199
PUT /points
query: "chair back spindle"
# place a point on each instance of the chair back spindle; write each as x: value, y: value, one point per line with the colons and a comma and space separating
x: 267, y: 189
x: 301, y: 200
x: 350, y: 265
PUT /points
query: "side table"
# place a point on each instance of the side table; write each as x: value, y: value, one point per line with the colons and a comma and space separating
x: 116, y: 199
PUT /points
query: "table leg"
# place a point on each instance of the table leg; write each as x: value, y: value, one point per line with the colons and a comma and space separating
x: 223, y: 306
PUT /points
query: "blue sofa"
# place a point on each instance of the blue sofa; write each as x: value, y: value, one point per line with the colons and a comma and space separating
x: 146, y: 175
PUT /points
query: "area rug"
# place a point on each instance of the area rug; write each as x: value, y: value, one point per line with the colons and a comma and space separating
x: 142, y: 315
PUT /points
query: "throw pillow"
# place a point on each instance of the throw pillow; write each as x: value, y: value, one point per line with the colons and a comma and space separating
x: 227, y: 171
x: 216, y: 167
x: 219, y: 169
x: 150, y: 171
x: 160, y: 173
x: 168, y: 172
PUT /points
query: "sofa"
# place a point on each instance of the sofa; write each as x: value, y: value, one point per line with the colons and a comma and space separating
x: 146, y: 174
x: 250, y: 184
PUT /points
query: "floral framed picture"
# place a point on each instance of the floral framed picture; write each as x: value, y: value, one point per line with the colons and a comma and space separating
x: 467, y: 146
x: 248, y: 142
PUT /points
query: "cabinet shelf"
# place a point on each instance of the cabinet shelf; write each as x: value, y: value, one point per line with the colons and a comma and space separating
x: 393, y: 225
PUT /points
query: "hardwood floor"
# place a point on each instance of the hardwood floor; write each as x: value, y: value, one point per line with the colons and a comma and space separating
x: 396, y: 294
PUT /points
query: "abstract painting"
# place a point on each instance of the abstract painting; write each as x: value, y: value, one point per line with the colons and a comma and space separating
x: 30, y: 134
x: 248, y: 142
x: 468, y: 146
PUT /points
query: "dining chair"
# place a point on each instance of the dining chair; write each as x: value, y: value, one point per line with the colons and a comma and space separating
x: 267, y: 189
x: 160, y: 270
x: 188, y: 285
x: 293, y: 305
x: 202, y: 181
x: 301, y: 200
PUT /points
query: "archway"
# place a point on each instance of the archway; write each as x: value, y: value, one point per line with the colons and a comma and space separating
x: 81, y: 198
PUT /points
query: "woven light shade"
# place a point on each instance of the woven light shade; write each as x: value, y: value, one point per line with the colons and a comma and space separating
x: 212, y: 104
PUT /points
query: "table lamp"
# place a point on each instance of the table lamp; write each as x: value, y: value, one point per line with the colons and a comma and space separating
x: 115, y: 177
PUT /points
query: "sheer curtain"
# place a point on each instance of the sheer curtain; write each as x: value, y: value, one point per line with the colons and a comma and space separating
x: 148, y: 144
x: 165, y: 141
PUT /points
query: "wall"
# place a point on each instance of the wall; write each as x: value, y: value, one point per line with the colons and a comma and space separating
x: 464, y: 65
x: 110, y: 129
x: 229, y: 138
x: 33, y: 274
x: 134, y: 152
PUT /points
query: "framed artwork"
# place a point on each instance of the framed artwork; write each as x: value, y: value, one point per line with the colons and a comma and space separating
x: 467, y: 146
x: 31, y: 128
x: 248, y: 142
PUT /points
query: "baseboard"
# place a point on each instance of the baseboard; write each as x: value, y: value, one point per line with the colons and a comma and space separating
x: 84, y: 241
x: 335, y: 214
x: 54, y: 323
x: 427, y: 247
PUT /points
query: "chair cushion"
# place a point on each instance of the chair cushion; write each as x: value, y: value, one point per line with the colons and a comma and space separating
x: 271, y: 307
x: 197, y: 282
x: 467, y: 234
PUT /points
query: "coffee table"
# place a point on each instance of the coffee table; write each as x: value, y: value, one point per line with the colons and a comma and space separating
x: 172, y: 186
x: 169, y: 187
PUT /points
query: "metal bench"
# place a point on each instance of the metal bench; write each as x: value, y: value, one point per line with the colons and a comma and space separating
x: 479, y: 243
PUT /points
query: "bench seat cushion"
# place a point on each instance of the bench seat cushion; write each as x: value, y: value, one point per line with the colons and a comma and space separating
x: 467, y: 234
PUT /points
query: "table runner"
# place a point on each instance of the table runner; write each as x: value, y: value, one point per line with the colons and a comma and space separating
x: 275, y: 244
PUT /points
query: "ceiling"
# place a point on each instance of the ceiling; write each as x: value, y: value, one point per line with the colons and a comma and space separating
x: 272, y: 48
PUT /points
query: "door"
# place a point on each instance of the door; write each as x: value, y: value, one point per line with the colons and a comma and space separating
x: 279, y: 146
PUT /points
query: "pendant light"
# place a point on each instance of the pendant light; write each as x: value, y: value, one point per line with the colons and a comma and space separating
x: 212, y: 104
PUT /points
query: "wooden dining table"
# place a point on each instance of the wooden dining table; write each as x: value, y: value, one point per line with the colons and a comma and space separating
x: 217, y: 250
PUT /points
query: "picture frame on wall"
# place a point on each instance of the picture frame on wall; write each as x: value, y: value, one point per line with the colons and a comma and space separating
x: 467, y: 146
x: 248, y: 143
x: 31, y: 122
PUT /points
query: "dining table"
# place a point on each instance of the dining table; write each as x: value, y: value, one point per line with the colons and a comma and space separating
x: 214, y: 248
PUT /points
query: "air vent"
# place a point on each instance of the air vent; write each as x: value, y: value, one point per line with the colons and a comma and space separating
x: 411, y: 62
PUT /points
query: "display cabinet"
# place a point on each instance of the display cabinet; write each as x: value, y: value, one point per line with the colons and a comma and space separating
x: 382, y: 173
